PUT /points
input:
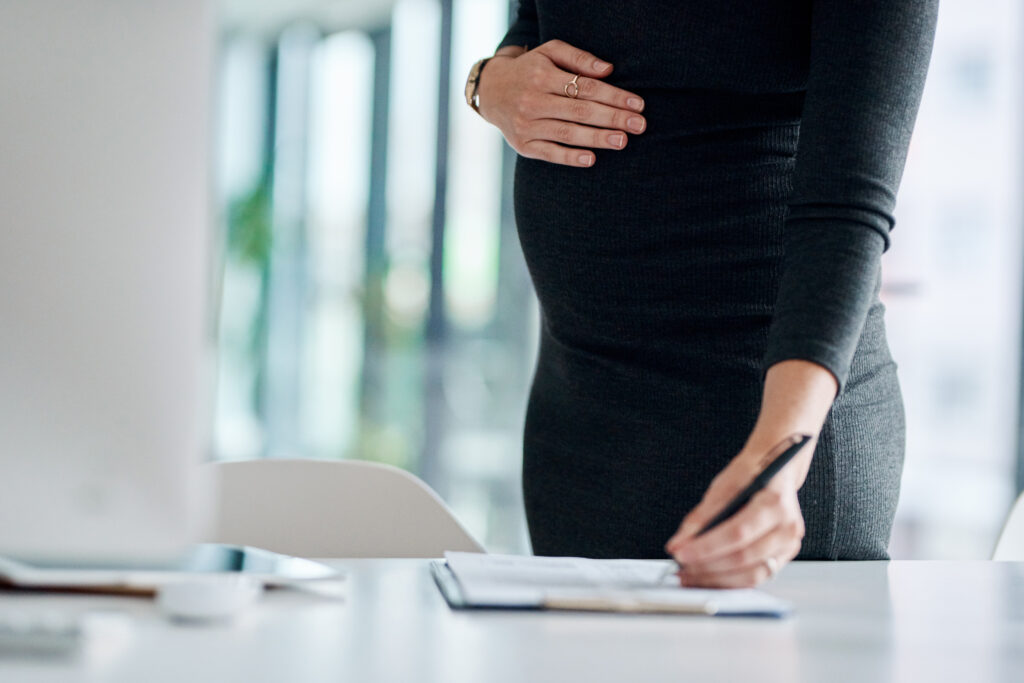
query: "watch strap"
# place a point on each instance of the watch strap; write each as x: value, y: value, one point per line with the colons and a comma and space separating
x: 474, y: 98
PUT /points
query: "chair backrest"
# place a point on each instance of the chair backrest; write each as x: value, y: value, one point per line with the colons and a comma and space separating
x: 1010, y: 545
x: 323, y: 508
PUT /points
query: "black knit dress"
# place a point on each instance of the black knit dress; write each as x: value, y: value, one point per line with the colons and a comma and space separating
x: 743, y: 228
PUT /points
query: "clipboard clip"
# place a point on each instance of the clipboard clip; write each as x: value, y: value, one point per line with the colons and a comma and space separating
x: 625, y: 604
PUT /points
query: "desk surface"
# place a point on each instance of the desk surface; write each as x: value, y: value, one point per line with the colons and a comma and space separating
x: 872, y: 622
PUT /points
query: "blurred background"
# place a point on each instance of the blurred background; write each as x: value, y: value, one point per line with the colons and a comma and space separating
x: 374, y: 303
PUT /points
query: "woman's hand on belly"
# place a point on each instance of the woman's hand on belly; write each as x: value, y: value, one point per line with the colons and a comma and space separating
x: 767, y: 532
x: 523, y: 93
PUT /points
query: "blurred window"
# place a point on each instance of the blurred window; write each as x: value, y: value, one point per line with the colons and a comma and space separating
x: 335, y: 191
x: 952, y: 284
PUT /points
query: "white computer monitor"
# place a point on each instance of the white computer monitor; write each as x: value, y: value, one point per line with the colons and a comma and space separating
x: 105, y: 257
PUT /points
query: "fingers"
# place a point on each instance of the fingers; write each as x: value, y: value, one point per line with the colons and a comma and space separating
x: 588, y: 112
x: 574, y: 59
x: 723, y: 488
x: 574, y: 134
x: 734, y: 553
x: 777, y: 543
x: 767, y: 526
x: 594, y: 90
x: 557, y: 154
x: 746, y: 576
x: 763, y: 513
x: 525, y: 99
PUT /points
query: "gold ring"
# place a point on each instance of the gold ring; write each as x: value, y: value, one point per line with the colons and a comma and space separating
x: 772, y: 565
x: 575, y: 87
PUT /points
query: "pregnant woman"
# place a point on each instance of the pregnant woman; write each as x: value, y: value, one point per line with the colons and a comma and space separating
x: 703, y: 193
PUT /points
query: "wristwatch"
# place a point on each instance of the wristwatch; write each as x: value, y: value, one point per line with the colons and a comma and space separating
x: 473, y: 85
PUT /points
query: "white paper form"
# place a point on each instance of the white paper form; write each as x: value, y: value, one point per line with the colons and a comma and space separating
x: 518, y: 580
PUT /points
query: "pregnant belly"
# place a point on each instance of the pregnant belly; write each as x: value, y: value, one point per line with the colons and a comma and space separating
x: 667, y: 250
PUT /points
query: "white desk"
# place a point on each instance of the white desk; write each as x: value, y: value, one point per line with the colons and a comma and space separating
x: 873, y: 622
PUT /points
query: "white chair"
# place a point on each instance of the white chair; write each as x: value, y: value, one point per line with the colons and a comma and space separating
x: 324, y: 508
x: 1010, y: 545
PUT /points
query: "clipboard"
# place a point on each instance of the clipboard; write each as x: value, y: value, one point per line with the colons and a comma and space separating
x: 619, y: 602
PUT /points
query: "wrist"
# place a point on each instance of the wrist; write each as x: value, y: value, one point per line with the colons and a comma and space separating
x: 485, y: 83
x: 798, y: 395
x: 510, y: 51
x: 761, y: 446
x: 506, y: 53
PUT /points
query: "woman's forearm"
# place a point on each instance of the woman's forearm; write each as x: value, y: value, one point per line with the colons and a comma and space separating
x: 797, y: 397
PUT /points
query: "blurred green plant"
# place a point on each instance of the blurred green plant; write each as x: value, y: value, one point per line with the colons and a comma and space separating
x: 249, y: 243
x: 250, y: 225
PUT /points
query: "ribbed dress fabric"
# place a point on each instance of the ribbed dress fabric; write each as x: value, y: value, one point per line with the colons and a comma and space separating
x: 744, y: 227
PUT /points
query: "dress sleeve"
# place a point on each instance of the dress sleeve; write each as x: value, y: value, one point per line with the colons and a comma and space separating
x: 524, y: 29
x: 868, y: 62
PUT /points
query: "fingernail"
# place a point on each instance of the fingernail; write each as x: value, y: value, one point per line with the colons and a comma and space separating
x: 635, y: 123
x: 635, y: 103
x: 601, y: 66
x: 586, y: 159
x: 617, y: 140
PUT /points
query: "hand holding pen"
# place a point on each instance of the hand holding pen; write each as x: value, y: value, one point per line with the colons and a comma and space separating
x: 749, y: 535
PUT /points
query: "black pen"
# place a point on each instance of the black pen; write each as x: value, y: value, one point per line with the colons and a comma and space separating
x: 775, y: 462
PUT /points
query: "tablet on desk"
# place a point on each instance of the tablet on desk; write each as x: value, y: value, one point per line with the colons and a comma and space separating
x: 273, y: 569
